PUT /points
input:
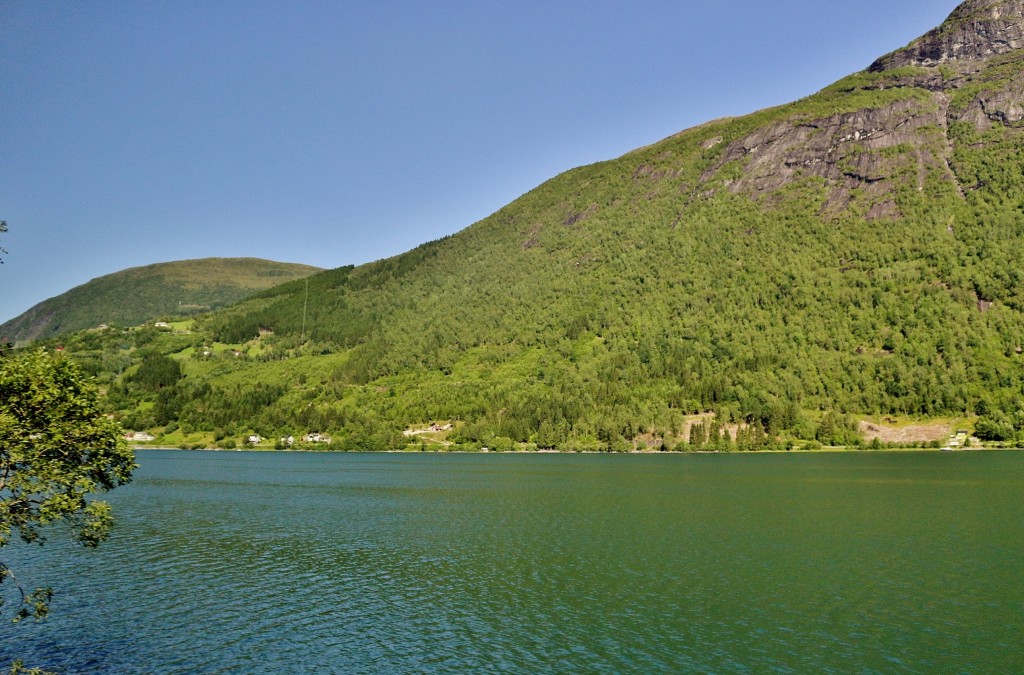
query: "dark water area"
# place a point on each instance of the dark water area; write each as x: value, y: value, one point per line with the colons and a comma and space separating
x: 238, y: 562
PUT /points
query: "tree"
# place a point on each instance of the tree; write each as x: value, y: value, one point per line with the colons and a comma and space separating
x: 157, y: 371
x: 57, y: 448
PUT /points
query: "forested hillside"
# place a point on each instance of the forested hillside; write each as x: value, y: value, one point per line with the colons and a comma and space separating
x: 139, y: 294
x: 856, y: 252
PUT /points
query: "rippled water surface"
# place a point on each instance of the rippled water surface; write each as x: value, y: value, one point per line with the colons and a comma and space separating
x: 274, y: 562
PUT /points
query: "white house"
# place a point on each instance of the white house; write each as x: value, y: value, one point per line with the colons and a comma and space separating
x: 139, y: 436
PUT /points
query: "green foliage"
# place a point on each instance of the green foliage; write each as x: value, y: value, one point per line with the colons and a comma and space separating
x: 836, y: 429
x: 18, y: 668
x: 1001, y: 426
x: 156, y: 372
x: 57, y: 448
x: 140, y: 294
x: 886, y: 79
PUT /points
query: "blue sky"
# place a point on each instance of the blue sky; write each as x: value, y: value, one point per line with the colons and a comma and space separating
x: 340, y: 132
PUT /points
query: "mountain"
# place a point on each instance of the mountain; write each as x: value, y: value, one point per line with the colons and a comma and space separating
x: 852, y: 253
x: 140, y: 294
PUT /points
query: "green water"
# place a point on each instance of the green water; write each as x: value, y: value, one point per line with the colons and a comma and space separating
x: 253, y: 562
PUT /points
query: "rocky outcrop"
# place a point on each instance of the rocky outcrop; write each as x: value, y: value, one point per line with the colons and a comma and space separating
x: 866, y: 156
x: 1000, y: 103
x: 976, y: 30
x: 856, y: 153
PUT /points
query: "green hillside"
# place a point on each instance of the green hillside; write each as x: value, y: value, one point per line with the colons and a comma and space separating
x: 141, y: 294
x: 850, y: 254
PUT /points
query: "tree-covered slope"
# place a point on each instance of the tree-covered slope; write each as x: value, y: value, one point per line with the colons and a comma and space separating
x: 140, y: 294
x: 857, y: 251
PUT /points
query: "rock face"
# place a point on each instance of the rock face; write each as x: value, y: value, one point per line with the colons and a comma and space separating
x: 852, y: 151
x: 970, y: 69
x: 976, y: 30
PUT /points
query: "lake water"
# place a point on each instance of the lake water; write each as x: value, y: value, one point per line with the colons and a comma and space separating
x: 238, y: 562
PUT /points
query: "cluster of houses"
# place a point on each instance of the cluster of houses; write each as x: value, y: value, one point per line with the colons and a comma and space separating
x: 432, y: 428
x: 251, y: 439
x: 139, y: 436
x: 312, y: 437
x: 956, y: 441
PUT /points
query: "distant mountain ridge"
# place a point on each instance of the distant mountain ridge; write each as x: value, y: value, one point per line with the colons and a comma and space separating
x: 140, y: 294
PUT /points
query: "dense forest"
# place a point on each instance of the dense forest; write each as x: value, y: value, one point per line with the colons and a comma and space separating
x: 756, y: 282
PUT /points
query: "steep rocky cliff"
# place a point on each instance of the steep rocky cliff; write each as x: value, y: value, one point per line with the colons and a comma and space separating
x: 975, y: 31
x: 967, y: 70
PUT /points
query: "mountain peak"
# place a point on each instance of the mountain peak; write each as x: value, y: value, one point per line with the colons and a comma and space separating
x: 974, y: 31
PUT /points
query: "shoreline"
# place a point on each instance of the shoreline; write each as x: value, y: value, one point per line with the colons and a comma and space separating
x: 816, y: 451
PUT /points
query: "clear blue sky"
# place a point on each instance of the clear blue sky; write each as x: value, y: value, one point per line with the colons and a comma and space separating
x: 344, y: 131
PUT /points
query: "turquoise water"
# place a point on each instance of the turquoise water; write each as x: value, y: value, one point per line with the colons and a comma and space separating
x: 238, y: 562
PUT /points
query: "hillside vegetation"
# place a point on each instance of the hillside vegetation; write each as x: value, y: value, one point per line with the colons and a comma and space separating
x: 140, y: 294
x: 852, y: 253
